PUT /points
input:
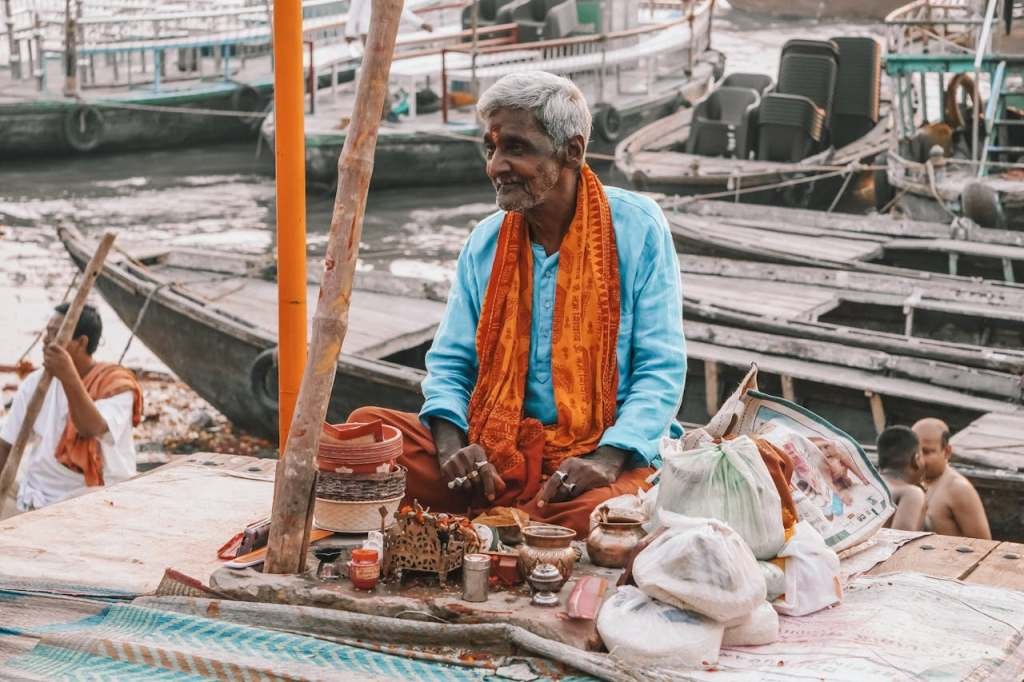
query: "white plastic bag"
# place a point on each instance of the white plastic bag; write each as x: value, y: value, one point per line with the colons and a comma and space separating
x: 774, y: 579
x: 729, y: 482
x: 701, y: 565
x: 640, y: 630
x: 812, y: 574
x: 760, y: 627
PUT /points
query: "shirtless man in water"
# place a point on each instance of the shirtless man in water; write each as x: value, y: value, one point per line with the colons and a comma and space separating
x: 954, y: 507
x: 899, y: 461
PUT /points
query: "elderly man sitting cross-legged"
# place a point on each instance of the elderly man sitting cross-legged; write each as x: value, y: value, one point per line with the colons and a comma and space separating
x: 560, y: 361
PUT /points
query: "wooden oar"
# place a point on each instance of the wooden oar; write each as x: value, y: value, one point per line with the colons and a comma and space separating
x: 67, y: 328
x: 296, y: 473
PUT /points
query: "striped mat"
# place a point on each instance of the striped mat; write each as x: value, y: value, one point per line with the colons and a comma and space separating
x: 48, y: 637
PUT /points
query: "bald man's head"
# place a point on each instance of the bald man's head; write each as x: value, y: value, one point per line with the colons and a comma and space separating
x: 935, y: 449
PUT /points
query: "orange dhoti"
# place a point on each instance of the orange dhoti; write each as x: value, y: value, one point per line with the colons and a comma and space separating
x: 425, y: 483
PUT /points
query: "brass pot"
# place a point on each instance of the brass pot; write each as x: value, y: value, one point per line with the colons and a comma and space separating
x: 614, y: 537
x: 545, y: 544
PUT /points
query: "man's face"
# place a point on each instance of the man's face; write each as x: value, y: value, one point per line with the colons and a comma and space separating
x: 934, y: 456
x: 522, y: 161
x: 52, y: 327
x: 915, y: 470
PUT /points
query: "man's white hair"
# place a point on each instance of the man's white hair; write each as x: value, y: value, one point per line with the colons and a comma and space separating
x: 556, y: 103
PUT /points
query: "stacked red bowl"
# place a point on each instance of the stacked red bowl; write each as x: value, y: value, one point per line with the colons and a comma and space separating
x: 358, y: 448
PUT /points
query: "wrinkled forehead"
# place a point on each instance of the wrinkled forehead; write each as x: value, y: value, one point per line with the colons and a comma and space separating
x: 507, y: 122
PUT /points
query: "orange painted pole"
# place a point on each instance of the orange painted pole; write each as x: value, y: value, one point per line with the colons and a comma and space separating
x: 290, y: 166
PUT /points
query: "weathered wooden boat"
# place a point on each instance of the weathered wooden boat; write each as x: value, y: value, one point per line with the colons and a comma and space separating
x: 796, y: 141
x: 950, y: 153
x: 948, y: 321
x: 631, y: 73
x: 211, y: 317
x: 878, y: 244
x: 159, y: 79
x: 819, y: 9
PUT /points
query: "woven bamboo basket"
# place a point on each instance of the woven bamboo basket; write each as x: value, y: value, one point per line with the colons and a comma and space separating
x: 354, y: 517
x: 361, y: 487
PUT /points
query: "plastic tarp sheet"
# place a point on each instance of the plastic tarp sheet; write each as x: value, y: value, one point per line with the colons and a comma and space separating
x: 889, y: 627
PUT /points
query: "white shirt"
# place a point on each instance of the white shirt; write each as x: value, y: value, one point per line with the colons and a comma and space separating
x: 42, y: 479
x: 358, y: 21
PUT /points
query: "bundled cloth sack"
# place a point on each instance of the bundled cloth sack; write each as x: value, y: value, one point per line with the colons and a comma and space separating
x: 702, y: 565
x: 760, y: 627
x: 639, y: 630
x: 728, y: 481
x: 812, y: 574
x: 774, y: 578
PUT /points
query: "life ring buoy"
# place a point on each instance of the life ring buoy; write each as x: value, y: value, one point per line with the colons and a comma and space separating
x: 260, y: 371
x: 952, y: 112
x: 608, y: 123
x: 246, y: 98
x: 83, y: 127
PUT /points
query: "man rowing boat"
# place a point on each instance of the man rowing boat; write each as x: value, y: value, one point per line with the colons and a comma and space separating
x: 83, y: 433
x: 560, y: 361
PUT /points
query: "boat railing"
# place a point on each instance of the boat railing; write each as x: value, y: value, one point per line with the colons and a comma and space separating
x: 578, y: 54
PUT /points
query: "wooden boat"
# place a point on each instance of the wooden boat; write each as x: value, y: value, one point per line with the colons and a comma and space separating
x: 930, y: 320
x: 211, y: 318
x: 159, y: 79
x: 946, y: 157
x: 819, y: 9
x: 877, y: 244
x: 755, y: 139
x: 630, y: 75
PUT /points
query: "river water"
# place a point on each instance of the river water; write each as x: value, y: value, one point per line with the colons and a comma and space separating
x: 223, y: 197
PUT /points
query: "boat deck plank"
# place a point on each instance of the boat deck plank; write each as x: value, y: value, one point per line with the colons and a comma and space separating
x: 773, y: 299
x: 825, y: 248
x: 1003, y: 567
x: 995, y: 440
x: 942, y: 556
x: 375, y: 319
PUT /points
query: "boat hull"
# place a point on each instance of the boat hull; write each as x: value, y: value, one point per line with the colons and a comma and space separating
x: 819, y: 9
x: 421, y: 158
x: 42, y: 128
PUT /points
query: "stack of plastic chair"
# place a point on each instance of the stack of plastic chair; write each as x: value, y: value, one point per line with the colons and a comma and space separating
x: 758, y: 82
x: 855, y: 109
x: 723, y: 122
x: 810, y: 68
x: 531, y: 17
x: 790, y: 128
x: 561, y: 21
x: 487, y: 13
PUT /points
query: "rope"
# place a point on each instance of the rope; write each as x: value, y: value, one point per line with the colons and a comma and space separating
x: 682, y: 201
x: 842, y: 191
x: 138, y: 320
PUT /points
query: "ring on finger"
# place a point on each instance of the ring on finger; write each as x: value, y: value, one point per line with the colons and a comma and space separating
x: 482, y: 464
x: 561, y: 475
x: 473, y: 475
x: 568, y: 486
x: 456, y: 482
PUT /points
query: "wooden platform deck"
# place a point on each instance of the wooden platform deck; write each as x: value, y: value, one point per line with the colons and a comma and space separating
x: 980, y: 562
x: 993, y: 440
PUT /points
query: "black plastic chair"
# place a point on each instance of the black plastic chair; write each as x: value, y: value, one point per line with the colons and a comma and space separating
x: 823, y: 48
x: 722, y: 123
x: 530, y: 18
x: 561, y: 21
x: 487, y: 14
x: 857, y: 102
x: 790, y: 128
x: 758, y: 82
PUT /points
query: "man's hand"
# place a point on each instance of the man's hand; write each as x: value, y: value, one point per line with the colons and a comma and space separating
x: 58, y: 362
x: 577, y: 475
x: 468, y: 469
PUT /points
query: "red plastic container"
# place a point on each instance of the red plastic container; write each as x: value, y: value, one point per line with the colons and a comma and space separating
x: 359, y: 448
x: 364, y: 569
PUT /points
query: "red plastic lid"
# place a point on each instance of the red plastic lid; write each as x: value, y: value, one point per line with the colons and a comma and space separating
x: 364, y: 555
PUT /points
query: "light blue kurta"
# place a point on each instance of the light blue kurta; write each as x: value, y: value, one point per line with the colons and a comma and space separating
x: 651, y: 350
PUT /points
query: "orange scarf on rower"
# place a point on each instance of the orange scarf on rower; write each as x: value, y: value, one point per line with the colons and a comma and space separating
x: 84, y: 455
x: 585, y: 332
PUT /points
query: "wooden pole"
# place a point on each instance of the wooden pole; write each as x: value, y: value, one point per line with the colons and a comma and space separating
x: 67, y: 328
x: 290, y: 166
x: 70, y: 52
x: 296, y: 475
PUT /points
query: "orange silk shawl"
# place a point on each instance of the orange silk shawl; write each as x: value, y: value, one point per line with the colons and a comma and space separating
x: 585, y: 331
x: 84, y: 455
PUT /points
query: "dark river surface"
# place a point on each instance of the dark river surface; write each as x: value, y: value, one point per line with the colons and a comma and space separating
x: 223, y: 197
